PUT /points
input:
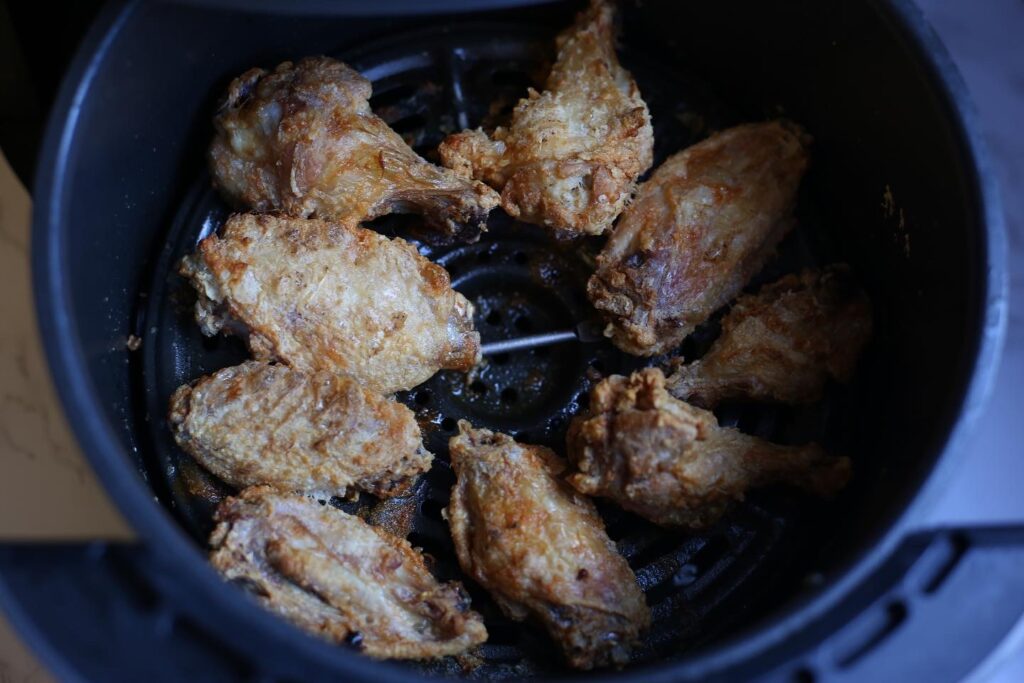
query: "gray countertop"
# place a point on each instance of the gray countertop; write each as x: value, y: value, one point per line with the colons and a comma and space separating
x: 47, y: 490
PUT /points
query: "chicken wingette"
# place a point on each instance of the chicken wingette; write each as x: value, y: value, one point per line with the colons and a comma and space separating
x: 705, y: 222
x: 302, y: 140
x: 318, y: 433
x: 335, y: 576
x: 673, y: 464
x: 782, y: 344
x: 540, y: 548
x: 327, y: 296
x: 571, y: 155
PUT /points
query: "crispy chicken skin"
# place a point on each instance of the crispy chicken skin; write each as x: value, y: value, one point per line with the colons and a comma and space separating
x: 328, y: 296
x: 704, y: 223
x: 671, y: 463
x: 302, y: 139
x: 540, y: 549
x: 318, y: 433
x: 783, y: 343
x: 333, y: 575
x: 572, y: 154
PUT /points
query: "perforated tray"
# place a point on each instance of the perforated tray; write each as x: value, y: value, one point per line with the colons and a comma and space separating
x: 427, y: 85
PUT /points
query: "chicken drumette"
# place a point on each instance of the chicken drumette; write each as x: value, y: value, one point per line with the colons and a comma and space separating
x: 327, y: 296
x: 318, y: 433
x: 540, y: 548
x: 697, y: 231
x: 673, y: 464
x: 302, y: 139
x: 571, y: 155
x: 336, y: 576
x: 783, y: 343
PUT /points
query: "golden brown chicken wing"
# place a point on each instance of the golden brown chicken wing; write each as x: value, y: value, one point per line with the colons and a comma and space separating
x: 317, y: 433
x: 326, y: 296
x: 671, y: 463
x: 783, y: 343
x: 336, y: 576
x: 698, y: 230
x: 540, y: 548
x: 302, y: 139
x: 571, y: 156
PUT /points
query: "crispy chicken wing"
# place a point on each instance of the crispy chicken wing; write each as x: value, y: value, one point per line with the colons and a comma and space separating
x: 318, y: 433
x: 571, y: 156
x: 303, y: 140
x: 540, y: 548
x: 698, y: 230
x: 326, y: 296
x: 671, y: 463
x: 783, y: 343
x: 336, y: 576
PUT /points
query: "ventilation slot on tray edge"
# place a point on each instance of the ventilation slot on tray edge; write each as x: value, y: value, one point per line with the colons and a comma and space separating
x: 869, y: 631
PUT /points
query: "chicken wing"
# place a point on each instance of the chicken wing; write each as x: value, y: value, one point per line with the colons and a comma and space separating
x: 540, y: 548
x: 334, y: 575
x: 572, y: 154
x: 303, y: 140
x: 698, y: 230
x: 317, y: 433
x: 326, y: 296
x: 783, y: 343
x: 671, y: 463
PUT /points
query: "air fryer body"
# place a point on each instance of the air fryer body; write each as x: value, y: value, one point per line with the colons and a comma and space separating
x: 895, y: 189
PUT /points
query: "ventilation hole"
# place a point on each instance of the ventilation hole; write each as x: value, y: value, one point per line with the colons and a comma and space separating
x: 211, y: 343
x: 523, y: 324
x: 419, y: 540
x: 711, y: 554
x: 493, y: 318
x: 499, y: 358
x: 432, y: 508
x: 685, y: 575
x: 513, y: 79
x: 448, y: 424
x: 509, y: 395
x: 501, y: 631
x: 408, y: 124
x: 423, y: 396
x: 649, y: 547
x: 392, y: 96
x: 521, y: 258
x: 479, y: 388
x: 804, y: 675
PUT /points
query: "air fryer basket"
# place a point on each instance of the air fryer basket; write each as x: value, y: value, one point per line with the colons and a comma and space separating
x: 428, y: 83
x: 892, y: 190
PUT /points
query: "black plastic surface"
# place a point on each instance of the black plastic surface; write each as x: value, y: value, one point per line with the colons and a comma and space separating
x: 104, y: 621
x: 126, y: 143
